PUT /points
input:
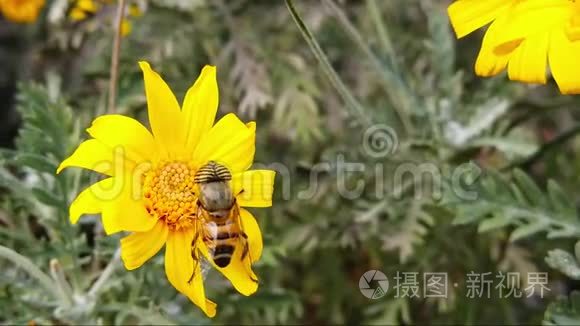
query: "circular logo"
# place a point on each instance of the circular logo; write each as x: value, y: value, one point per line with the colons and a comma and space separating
x: 380, y: 141
x: 373, y: 284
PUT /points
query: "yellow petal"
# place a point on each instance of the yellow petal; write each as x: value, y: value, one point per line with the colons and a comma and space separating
x: 531, y: 17
x: 87, y: 5
x: 252, y: 126
x: 77, y: 14
x: 118, y: 131
x: 138, y: 247
x: 179, y: 266
x: 563, y: 58
x: 255, y: 187
x: 200, y: 106
x: 492, y: 61
x: 529, y: 61
x: 468, y: 15
x: 239, y: 271
x: 229, y: 142
x: 86, y: 202
x: 164, y: 113
x: 124, y: 209
x: 95, y: 155
x: 21, y: 11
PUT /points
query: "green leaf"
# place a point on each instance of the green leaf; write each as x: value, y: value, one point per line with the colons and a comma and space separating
x: 560, y: 201
x: 46, y: 197
x: 565, y: 262
x: 36, y: 162
x: 527, y: 230
x: 518, y: 195
x: 564, y: 232
x: 564, y: 311
x: 466, y: 214
x: 496, y: 222
x: 529, y: 188
x: 441, y: 44
x: 509, y: 146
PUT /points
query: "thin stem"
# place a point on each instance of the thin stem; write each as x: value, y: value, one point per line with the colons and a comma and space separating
x: 382, y: 31
x: 107, y: 273
x: 397, y: 91
x: 114, y: 74
x: 355, y: 107
x: 59, y: 277
x: 562, y: 138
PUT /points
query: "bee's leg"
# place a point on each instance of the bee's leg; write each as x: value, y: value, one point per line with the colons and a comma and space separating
x: 195, y: 262
x: 243, y: 234
x: 195, y: 257
x: 246, y: 245
x: 246, y: 249
x: 246, y: 252
x: 193, y: 241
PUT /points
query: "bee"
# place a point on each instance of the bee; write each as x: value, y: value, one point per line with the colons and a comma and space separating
x: 218, y: 216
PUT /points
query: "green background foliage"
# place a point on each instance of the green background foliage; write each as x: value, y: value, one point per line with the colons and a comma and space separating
x: 315, y: 75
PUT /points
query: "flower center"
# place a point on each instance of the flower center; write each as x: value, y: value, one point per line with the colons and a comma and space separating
x: 169, y: 194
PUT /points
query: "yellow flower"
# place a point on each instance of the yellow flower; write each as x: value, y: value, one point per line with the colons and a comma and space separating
x: 85, y: 9
x: 150, y: 190
x: 21, y: 11
x: 524, y: 36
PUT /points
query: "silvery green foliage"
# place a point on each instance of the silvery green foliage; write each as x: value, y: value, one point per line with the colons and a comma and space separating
x: 522, y: 205
x: 480, y: 176
x: 564, y: 311
x: 565, y: 262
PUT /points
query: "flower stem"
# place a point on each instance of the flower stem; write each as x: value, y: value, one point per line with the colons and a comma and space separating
x: 60, y: 280
x: 397, y: 90
x: 356, y: 108
x: 382, y: 31
x: 96, y: 288
x: 114, y: 74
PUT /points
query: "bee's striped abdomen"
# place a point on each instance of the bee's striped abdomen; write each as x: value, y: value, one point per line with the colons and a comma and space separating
x: 221, y: 240
x: 212, y: 172
x: 223, y: 255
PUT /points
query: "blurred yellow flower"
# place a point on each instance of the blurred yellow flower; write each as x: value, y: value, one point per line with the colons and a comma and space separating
x: 82, y: 9
x: 85, y: 9
x: 151, y: 191
x: 524, y: 36
x: 21, y: 11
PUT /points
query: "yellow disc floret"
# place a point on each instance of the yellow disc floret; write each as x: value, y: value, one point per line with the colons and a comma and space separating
x: 169, y: 193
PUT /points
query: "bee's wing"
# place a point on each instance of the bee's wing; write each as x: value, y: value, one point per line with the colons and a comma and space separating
x: 244, y: 241
x: 205, y: 267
